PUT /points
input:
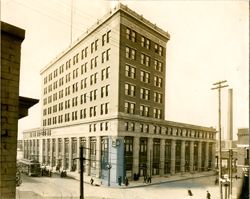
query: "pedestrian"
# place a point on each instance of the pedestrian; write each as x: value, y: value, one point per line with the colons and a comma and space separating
x: 119, y: 180
x: 190, y: 192
x: 145, y: 179
x: 91, y: 181
x: 236, y: 177
x: 208, y: 195
x: 126, y: 181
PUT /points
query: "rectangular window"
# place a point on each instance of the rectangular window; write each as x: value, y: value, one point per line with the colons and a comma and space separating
x: 131, y: 35
x: 145, y: 59
x: 130, y: 71
x: 144, y: 110
x: 145, y: 76
x: 145, y: 94
x: 130, y: 53
x: 130, y: 89
x: 129, y: 107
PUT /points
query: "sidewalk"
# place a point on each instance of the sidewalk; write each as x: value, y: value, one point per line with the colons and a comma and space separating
x: 140, y: 183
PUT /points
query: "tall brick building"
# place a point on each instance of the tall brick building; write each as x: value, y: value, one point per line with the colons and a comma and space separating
x: 107, y: 93
x: 13, y: 107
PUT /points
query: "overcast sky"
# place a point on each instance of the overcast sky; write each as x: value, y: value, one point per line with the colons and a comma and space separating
x: 209, y: 42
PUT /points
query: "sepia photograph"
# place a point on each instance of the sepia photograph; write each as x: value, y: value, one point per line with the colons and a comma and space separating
x: 124, y: 99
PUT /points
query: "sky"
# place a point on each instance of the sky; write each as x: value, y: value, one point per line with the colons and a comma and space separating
x: 209, y: 42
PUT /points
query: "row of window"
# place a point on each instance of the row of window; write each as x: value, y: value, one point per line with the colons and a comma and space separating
x: 129, y: 107
x: 130, y: 90
x: 145, y: 128
x: 145, y: 42
x: 105, y: 74
x: 145, y: 59
x: 105, y: 90
x: 84, y: 54
x: 75, y: 115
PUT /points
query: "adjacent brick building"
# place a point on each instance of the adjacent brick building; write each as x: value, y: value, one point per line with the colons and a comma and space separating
x: 13, y: 107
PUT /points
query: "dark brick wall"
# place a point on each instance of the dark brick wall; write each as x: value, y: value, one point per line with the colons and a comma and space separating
x: 123, y: 60
x: 11, y: 39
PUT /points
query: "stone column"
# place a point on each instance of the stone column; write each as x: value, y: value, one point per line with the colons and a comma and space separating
x: 136, y: 149
x: 35, y: 149
x: 70, y: 153
x: 183, y: 156
x: 98, y: 156
x: 191, y: 164
x: 41, y: 150
x: 173, y: 145
x: 56, y: 150
x: 78, y: 153
x: 149, y: 156
x: 87, y: 164
x: 162, y: 156
x: 51, y: 151
x: 199, y: 155
x: 207, y: 156
x: 46, y: 151
x: 213, y: 155
x: 63, y: 153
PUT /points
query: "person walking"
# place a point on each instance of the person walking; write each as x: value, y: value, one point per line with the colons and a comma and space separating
x: 208, y: 195
x: 91, y: 181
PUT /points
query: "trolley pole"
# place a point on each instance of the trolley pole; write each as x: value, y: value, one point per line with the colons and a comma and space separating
x: 218, y: 87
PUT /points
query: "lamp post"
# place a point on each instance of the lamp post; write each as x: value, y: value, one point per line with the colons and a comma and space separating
x: 109, y: 166
x: 218, y: 87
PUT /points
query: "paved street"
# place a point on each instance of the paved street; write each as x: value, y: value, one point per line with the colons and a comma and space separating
x: 56, y: 187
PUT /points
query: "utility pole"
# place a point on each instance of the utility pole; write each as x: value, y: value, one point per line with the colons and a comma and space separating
x: 218, y: 87
x: 81, y: 172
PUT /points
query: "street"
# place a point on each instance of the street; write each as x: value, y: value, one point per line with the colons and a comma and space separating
x: 56, y: 187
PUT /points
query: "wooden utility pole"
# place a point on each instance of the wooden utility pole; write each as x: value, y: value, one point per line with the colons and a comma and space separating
x: 218, y: 87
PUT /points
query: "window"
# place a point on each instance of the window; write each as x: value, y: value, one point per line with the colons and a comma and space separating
x: 84, y: 83
x: 145, y: 94
x: 106, y: 38
x: 74, y: 115
x: 105, y: 73
x: 84, y: 68
x: 60, y: 106
x: 145, y: 42
x: 158, y: 65
x: 129, y: 107
x: 106, y: 55
x: 145, y: 76
x: 75, y: 73
x: 84, y: 98
x: 131, y: 35
x: 92, y: 111
x: 93, y: 95
x: 93, y: 79
x: 55, y: 73
x: 157, y: 113
x: 75, y: 59
x: 130, y: 71
x: 130, y: 53
x: 157, y: 81
x: 74, y: 101
x: 104, y: 108
x: 105, y: 91
x: 144, y: 110
x: 83, y: 113
x: 158, y: 97
x: 96, y: 44
x: 145, y: 59
x: 68, y: 64
x: 159, y: 49
x: 144, y: 128
x: 130, y: 90
x: 75, y: 87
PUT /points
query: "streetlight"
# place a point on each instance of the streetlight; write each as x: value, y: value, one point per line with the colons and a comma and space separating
x: 109, y: 166
x: 218, y: 87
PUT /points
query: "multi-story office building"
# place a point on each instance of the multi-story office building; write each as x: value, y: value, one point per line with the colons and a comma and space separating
x: 107, y: 93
